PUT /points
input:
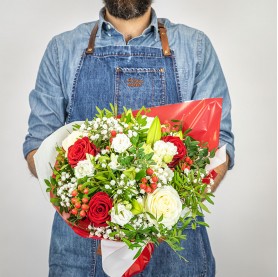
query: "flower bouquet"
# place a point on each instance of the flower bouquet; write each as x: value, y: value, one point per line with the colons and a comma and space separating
x: 128, y: 180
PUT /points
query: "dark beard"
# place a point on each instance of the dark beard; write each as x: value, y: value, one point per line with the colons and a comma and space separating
x: 127, y: 9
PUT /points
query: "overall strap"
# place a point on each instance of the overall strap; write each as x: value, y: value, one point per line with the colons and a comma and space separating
x: 162, y: 33
x: 91, y: 44
x: 164, y: 39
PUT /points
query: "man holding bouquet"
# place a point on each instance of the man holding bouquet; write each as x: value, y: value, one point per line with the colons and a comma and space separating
x: 131, y: 58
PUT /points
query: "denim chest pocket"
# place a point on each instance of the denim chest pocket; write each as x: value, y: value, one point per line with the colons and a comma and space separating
x: 137, y: 87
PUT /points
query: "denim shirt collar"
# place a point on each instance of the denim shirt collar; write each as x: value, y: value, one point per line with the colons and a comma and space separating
x: 104, y: 26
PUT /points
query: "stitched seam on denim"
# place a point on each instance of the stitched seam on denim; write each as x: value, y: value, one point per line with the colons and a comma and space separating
x: 117, y: 87
x: 126, y: 55
x: 74, y: 85
x: 203, y: 274
x: 163, y: 82
x: 140, y: 69
x: 93, y: 252
x: 200, y: 51
x: 177, y: 79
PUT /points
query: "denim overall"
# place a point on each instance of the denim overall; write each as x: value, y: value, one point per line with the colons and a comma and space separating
x: 130, y: 76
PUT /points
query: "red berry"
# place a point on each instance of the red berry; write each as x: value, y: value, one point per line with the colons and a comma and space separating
x: 77, y: 205
x: 154, y: 186
x: 187, y: 159
x: 85, y: 207
x: 163, y: 129
x: 143, y: 186
x: 74, y: 193
x: 85, y: 200
x: 144, y: 180
x: 183, y: 167
x: 82, y: 213
x: 74, y: 211
x: 80, y: 187
x: 154, y: 179
x: 113, y: 133
x: 190, y: 162
x: 73, y: 200
x: 148, y: 189
x: 149, y: 172
x: 86, y: 191
x: 107, y: 147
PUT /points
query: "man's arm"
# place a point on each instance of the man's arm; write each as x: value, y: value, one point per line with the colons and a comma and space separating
x: 221, y: 171
x: 210, y: 83
x: 47, y: 103
x: 31, y: 163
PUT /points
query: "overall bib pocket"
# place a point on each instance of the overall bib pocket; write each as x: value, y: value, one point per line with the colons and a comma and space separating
x: 137, y: 87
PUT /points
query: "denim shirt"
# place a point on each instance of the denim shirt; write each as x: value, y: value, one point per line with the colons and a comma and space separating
x: 200, y: 74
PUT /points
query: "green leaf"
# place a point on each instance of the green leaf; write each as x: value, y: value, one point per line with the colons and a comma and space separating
x: 204, y: 207
x: 202, y: 223
x: 138, y: 253
x: 141, y: 174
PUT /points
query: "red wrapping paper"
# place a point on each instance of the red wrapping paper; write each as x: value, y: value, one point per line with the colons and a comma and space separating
x: 202, y: 116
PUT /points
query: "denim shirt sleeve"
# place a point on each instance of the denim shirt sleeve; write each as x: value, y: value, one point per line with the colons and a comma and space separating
x: 47, y: 101
x: 210, y: 83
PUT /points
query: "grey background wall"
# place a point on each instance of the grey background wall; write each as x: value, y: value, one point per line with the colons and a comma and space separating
x: 243, y: 220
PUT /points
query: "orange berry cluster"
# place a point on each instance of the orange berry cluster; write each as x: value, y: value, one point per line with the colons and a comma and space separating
x: 80, y: 204
x: 149, y: 185
x: 187, y: 163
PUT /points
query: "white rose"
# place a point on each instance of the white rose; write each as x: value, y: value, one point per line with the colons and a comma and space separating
x: 71, y: 139
x: 164, y: 201
x: 120, y: 143
x: 84, y: 168
x: 123, y: 216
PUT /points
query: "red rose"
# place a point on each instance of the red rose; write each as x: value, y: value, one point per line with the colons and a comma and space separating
x: 77, y: 152
x: 100, y: 205
x: 180, y: 148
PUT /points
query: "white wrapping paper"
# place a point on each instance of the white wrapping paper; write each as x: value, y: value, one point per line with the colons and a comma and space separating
x: 116, y: 257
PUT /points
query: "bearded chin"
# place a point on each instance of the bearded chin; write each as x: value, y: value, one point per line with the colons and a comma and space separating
x: 127, y: 9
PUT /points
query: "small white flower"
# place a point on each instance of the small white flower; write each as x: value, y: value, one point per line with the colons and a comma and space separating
x: 120, y: 143
x: 103, y: 165
x: 104, y: 132
x: 186, y: 171
x: 134, y: 134
x: 63, y: 178
x: 122, y: 217
x: 112, y: 182
x: 95, y: 126
x: 96, y: 136
x: 107, y: 187
x: 119, y: 191
x: 84, y: 168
